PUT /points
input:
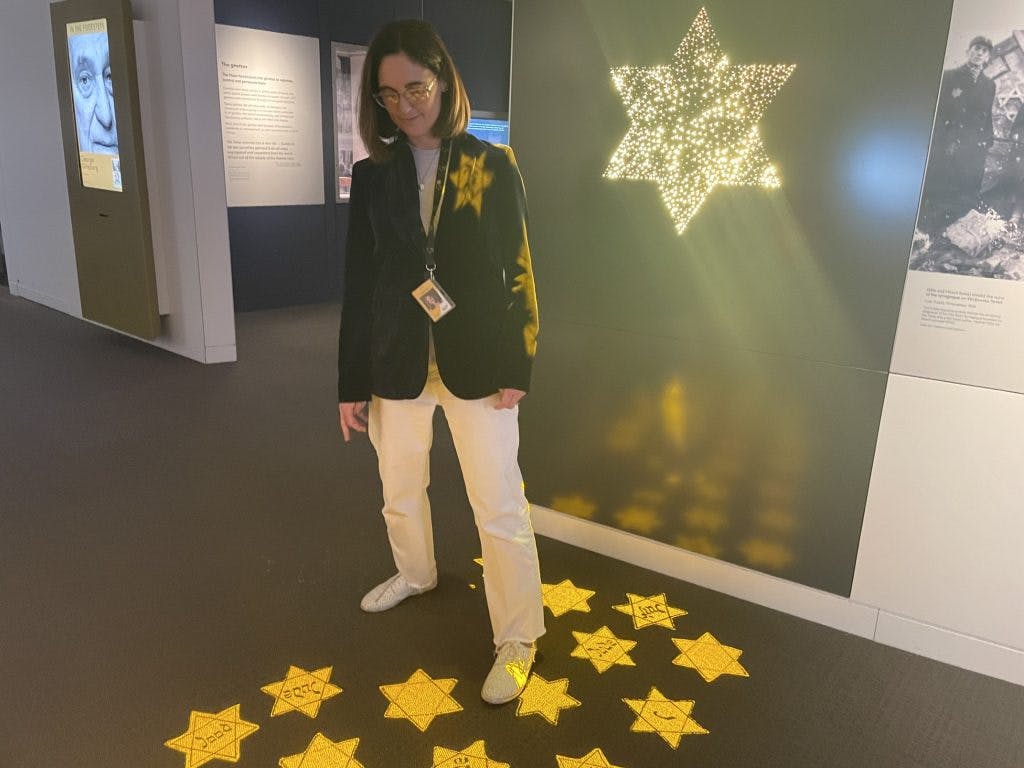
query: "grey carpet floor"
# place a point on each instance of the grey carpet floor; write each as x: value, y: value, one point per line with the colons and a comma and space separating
x: 175, y: 536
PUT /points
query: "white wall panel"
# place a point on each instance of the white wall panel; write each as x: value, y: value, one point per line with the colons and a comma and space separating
x: 184, y: 167
x: 943, y: 537
x: 34, y: 208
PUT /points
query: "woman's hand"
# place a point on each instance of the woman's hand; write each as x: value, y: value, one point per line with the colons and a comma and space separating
x: 352, y: 416
x: 509, y: 398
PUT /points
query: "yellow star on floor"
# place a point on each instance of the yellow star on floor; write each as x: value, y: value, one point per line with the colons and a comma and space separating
x: 593, y: 759
x: 565, y: 596
x: 324, y: 753
x: 473, y: 756
x: 544, y: 698
x: 470, y: 180
x: 693, y: 123
x: 665, y: 717
x: 603, y: 648
x: 301, y: 691
x: 213, y: 737
x: 709, y: 657
x: 653, y: 611
x: 420, y: 699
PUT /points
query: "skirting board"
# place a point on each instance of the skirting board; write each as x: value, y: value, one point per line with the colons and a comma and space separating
x: 19, y: 289
x: 814, y: 605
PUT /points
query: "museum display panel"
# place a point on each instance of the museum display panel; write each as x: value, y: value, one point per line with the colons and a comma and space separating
x: 963, y: 311
x: 732, y: 191
x: 97, y: 87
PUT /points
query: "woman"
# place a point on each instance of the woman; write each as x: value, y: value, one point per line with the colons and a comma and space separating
x: 440, y: 214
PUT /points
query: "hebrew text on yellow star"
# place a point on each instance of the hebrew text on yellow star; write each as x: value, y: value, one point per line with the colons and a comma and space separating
x: 593, y: 759
x: 653, y: 611
x: 565, y: 596
x: 213, y: 737
x: 301, y: 691
x: 693, y: 124
x: 470, y: 180
x: 544, y: 698
x: 324, y: 753
x: 473, y: 756
x: 603, y: 648
x: 420, y: 699
x: 709, y: 657
x: 669, y: 719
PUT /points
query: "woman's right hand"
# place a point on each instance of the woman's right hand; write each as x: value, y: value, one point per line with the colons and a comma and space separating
x: 352, y: 416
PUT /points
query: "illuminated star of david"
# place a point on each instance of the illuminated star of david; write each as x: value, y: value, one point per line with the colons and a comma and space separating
x: 470, y: 180
x: 694, y: 122
x: 420, y: 699
x: 473, y: 756
x: 603, y: 649
x: 544, y: 698
x: 653, y: 611
x: 669, y: 719
x: 565, y: 596
x: 593, y: 759
x: 324, y: 753
x: 709, y: 657
x: 301, y: 691
x: 213, y: 737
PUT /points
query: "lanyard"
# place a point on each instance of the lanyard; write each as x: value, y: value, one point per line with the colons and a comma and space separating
x: 440, y: 185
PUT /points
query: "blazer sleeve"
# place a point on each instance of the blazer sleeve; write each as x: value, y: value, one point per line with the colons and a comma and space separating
x: 361, y: 269
x: 521, y: 321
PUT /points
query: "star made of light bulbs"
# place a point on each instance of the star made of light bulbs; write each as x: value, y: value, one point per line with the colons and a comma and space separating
x: 694, y: 123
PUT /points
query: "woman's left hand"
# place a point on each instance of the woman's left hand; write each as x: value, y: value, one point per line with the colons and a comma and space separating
x: 509, y: 398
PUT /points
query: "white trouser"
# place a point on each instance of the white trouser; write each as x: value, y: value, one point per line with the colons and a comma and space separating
x: 487, y: 444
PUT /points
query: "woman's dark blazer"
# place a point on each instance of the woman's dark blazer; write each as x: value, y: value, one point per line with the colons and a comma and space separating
x: 483, y: 262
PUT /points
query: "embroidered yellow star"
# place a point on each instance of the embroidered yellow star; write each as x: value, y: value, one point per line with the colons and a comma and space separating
x: 324, y: 753
x: 544, y: 698
x: 420, y: 699
x: 693, y: 124
x: 213, y: 737
x: 470, y: 180
x: 301, y: 691
x: 603, y: 648
x: 709, y: 657
x: 653, y: 611
x: 564, y: 597
x: 593, y: 759
x: 473, y: 756
x: 665, y: 717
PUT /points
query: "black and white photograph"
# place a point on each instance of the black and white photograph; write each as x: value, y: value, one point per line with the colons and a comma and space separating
x: 971, y: 219
x: 348, y: 147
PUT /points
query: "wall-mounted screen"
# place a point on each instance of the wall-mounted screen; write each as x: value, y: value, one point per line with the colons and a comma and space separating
x: 92, y: 90
x: 489, y: 129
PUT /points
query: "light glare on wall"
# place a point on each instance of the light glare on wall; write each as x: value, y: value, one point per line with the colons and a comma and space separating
x: 693, y: 123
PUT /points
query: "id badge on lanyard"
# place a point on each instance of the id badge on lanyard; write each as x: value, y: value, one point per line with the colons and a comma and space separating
x: 429, y: 294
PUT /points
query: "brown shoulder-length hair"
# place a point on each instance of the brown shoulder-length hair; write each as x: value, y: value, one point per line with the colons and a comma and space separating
x: 420, y: 42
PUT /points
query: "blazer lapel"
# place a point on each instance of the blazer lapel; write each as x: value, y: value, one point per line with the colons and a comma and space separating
x: 403, y: 190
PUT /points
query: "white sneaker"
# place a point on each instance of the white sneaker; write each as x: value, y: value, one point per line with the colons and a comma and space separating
x: 389, y: 594
x: 507, y: 677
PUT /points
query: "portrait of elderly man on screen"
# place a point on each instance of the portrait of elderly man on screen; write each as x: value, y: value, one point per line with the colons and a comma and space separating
x: 93, y: 91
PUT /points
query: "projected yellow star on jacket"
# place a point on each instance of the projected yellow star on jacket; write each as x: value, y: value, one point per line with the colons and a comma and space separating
x: 694, y: 123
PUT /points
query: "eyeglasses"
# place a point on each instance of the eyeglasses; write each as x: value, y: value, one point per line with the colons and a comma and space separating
x: 416, y: 93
